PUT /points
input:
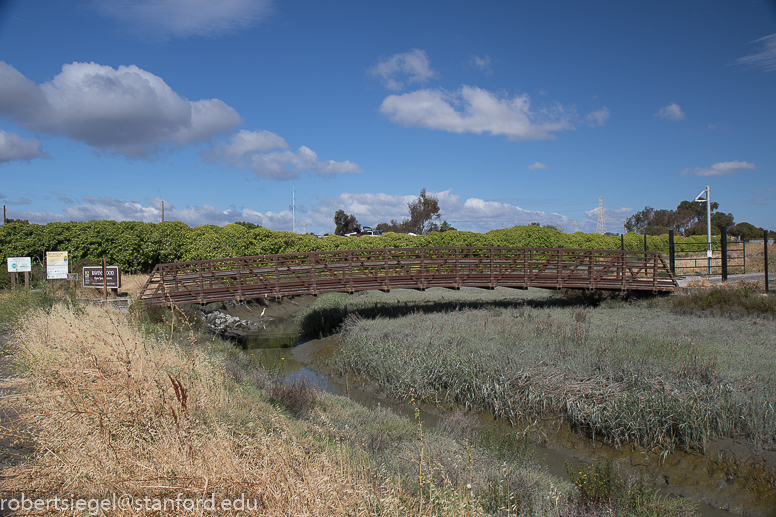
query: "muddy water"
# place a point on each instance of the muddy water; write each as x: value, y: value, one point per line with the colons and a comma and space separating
x: 719, y: 480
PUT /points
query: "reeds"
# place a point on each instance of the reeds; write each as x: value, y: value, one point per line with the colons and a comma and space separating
x: 625, y: 373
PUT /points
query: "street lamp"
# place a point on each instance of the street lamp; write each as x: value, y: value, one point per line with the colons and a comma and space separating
x: 707, y: 200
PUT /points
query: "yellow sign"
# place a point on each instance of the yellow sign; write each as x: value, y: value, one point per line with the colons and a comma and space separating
x: 56, y: 265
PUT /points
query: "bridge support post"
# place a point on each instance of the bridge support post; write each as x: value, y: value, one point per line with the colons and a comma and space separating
x: 671, y: 253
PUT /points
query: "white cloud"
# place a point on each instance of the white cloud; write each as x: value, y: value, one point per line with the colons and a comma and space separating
x: 598, y: 118
x: 718, y: 169
x: 182, y: 18
x: 127, y: 111
x: 472, y: 214
x: 267, y: 155
x: 480, y: 111
x: 14, y: 147
x: 481, y: 63
x: 414, y: 64
x: 671, y: 112
x: 766, y: 58
x: 106, y: 208
x: 537, y: 165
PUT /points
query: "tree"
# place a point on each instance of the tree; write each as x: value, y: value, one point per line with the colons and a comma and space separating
x: 745, y: 231
x: 345, y: 223
x: 689, y: 218
x: 424, y: 214
x: 445, y: 227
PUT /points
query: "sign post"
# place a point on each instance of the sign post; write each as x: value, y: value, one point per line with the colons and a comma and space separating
x: 99, y: 278
x: 19, y: 265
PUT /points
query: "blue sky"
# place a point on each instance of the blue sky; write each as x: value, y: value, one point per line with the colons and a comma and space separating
x: 509, y: 112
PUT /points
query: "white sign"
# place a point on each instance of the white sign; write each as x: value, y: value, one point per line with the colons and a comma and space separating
x: 56, y: 265
x: 19, y: 264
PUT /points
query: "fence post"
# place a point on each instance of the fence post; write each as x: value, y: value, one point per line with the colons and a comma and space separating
x: 723, y: 250
x: 622, y: 242
x: 671, y: 253
x: 765, y: 257
x: 645, y: 240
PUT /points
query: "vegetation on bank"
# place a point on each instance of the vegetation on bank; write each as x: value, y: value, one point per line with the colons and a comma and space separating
x: 658, y: 373
x: 117, y: 405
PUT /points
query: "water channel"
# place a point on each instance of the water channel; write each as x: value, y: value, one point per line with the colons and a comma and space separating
x: 693, y: 476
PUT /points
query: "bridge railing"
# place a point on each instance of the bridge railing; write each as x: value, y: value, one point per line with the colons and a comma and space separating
x: 414, y: 268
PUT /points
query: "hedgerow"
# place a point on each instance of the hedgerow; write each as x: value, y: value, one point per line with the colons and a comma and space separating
x: 136, y: 246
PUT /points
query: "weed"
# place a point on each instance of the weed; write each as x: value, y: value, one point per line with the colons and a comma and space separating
x: 296, y: 395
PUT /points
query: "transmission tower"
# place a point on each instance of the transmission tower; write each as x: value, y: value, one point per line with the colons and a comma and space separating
x: 574, y: 226
x: 601, y: 226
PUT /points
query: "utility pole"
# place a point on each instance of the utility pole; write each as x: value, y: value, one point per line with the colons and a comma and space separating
x: 707, y: 192
x: 293, y: 207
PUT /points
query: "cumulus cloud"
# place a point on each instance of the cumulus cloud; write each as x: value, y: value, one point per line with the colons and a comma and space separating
x: 127, y: 111
x: 181, y: 18
x: 150, y: 211
x: 598, y: 118
x: 267, y: 155
x: 537, y: 165
x: 413, y: 64
x: 481, y: 63
x: 766, y: 58
x: 14, y: 147
x: 671, y: 112
x: 471, y: 214
x: 474, y: 110
x: 718, y: 169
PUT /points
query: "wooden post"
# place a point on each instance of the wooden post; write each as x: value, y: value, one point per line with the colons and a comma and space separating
x: 622, y: 242
x: 27, y: 279
x: 671, y: 252
x: 645, y: 240
x: 13, y: 280
x: 104, y: 282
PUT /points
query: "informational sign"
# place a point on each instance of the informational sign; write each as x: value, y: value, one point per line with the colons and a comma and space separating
x: 19, y: 264
x: 93, y: 276
x: 56, y: 265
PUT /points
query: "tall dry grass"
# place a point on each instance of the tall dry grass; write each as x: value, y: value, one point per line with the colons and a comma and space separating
x: 116, y: 411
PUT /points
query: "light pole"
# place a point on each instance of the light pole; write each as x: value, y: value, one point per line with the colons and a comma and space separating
x: 698, y: 198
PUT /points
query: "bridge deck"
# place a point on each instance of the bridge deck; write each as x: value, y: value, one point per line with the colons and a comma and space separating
x: 289, y: 274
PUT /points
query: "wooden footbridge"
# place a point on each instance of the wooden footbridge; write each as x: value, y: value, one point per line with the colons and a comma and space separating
x: 317, y: 272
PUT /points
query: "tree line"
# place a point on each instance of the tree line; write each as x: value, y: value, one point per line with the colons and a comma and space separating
x: 689, y: 219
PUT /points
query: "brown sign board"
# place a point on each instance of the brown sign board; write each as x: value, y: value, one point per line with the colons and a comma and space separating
x: 93, y: 276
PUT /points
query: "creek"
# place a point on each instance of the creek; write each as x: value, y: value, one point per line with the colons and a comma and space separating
x: 714, y: 480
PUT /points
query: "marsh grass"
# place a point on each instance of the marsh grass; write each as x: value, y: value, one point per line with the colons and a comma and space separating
x: 730, y: 299
x: 330, y: 311
x: 636, y: 373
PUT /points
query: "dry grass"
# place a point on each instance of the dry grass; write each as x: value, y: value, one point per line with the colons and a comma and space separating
x: 116, y: 412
